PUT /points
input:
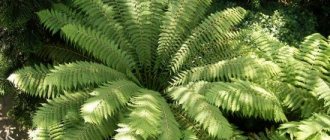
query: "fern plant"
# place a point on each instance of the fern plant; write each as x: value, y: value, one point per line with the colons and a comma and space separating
x: 302, y: 86
x: 158, y: 70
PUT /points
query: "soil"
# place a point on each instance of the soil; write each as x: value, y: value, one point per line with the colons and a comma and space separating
x: 9, y: 130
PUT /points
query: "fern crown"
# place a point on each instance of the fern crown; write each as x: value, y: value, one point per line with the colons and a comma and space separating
x: 147, y: 69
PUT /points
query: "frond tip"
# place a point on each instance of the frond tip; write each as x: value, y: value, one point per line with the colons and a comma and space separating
x: 316, y: 127
x: 145, y: 118
x: 247, y: 99
x: 207, y: 115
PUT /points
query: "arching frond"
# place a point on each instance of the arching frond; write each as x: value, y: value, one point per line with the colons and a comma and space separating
x: 61, y: 54
x: 315, y: 127
x: 78, y: 75
x: 246, y: 99
x: 54, y: 20
x: 266, y: 47
x: 59, y: 109
x: 189, y: 135
x: 169, y: 126
x: 125, y: 132
x: 106, y: 50
x: 31, y: 80
x: 88, y: 131
x: 69, y: 10
x: 181, y: 17
x: 207, y: 115
x: 191, y: 130
x: 46, y: 82
x: 293, y: 98
x: 145, y: 118
x: 232, y: 45
x: 315, y: 51
x: 142, y: 20
x: 57, y: 131
x: 322, y: 91
x: 73, y: 127
x: 40, y: 134
x: 243, y: 68
x: 102, y: 17
x: 107, y: 100
x: 212, y: 28
x: 188, y: 126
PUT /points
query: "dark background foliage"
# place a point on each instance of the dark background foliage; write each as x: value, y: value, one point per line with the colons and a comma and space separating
x: 21, y: 36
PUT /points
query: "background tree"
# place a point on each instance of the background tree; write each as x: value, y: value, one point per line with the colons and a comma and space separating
x: 21, y: 37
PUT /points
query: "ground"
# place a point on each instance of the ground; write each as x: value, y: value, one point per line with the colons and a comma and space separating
x: 8, y: 129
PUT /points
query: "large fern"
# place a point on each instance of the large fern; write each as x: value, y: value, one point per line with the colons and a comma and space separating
x: 153, y: 72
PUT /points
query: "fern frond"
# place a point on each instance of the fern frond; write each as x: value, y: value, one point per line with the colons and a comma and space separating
x: 297, y: 73
x: 212, y: 28
x: 145, y: 118
x: 88, y: 131
x: 189, y: 135
x: 207, y: 115
x: 322, y: 91
x: 240, y: 68
x: 316, y: 127
x: 142, y: 20
x: 40, y: 134
x: 106, y: 50
x: 125, y: 132
x: 73, y: 127
x: 169, y: 126
x: 315, y: 50
x: 69, y: 10
x: 269, y: 134
x: 47, y: 82
x: 189, y: 128
x: 266, y: 47
x: 54, y: 20
x: 107, y: 100
x: 58, y: 130
x: 294, y: 98
x: 246, y: 98
x: 181, y: 17
x: 230, y: 46
x: 291, y: 97
x: 72, y: 76
x: 61, y: 54
x: 102, y: 18
x: 59, y: 109
x: 31, y: 80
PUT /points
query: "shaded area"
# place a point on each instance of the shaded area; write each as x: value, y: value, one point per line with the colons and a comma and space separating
x: 9, y: 130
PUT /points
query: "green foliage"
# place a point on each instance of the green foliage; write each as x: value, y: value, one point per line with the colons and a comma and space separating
x: 107, y: 100
x: 288, y: 24
x: 248, y: 98
x: 20, y: 37
x: 23, y: 110
x: 152, y: 72
x: 206, y: 115
x: 315, y: 127
x: 15, y: 13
